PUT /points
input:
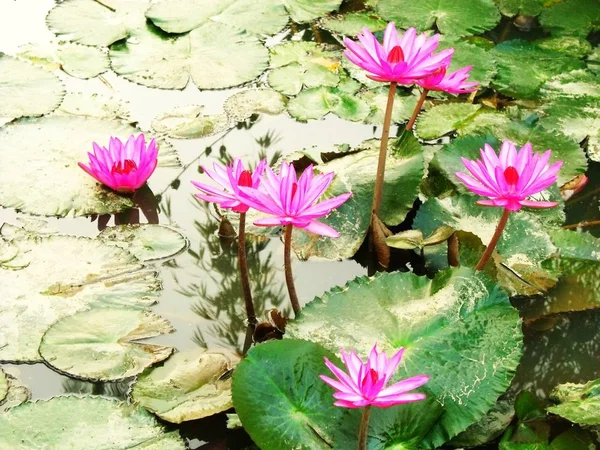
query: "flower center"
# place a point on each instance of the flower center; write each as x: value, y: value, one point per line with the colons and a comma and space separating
x: 373, y: 376
x: 245, y: 179
x: 511, y: 176
x: 396, y: 55
x: 294, y: 189
x: 123, y: 167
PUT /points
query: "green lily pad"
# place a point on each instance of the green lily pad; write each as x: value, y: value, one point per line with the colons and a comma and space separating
x: 482, y: 60
x: 102, y: 344
x: 280, y: 399
x: 93, y: 105
x: 155, y: 59
x: 450, y: 17
x: 578, y: 403
x: 570, y: 45
x: 351, y: 24
x: 27, y: 90
x: 188, y: 122
x: 574, y: 17
x: 81, y: 61
x: 523, y: 242
x: 188, y: 386
x: 593, y: 60
x: 145, y: 241
x: 355, y: 172
x: 488, y: 428
x: 524, y: 80
x: 458, y: 328
x: 316, y: 103
x: 92, y: 22
x: 298, y: 65
x: 58, y: 276
x: 376, y: 98
x: 242, y: 105
x: 520, y: 7
x: 84, y: 423
x: 30, y: 149
x: 573, y: 84
x: 12, y: 392
x: 443, y: 119
x: 264, y: 17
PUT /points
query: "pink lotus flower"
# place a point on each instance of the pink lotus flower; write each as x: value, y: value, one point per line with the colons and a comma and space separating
x: 401, y: 60
x: 123, y: 167
x: 510, y: 178
x: 453, y: 83
x: 230, y: 178
x: 364, y: 384
x: 294, y: 201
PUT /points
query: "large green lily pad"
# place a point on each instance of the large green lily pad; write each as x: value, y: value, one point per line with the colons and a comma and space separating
x: 578, y: 403
x: 520, y: 7
x: 27, y: 90
x: 102, y: 344
x: 264, y: 17
x: 450, y: 17
x: 47, y: 150
x: 355, y: 172
x: 520, y: 80
x: 92, y: 22
x: 458, y: 328
x: 573, y: 84
x: 188, y: 386
x: 280, y: 399
x: 575, y: 17
x: 351, y: 24
x: 57, y: 276
x: 84, y: 423
x: 145, y: 241
x: 152, y: 58
x: 445, y: 118
x: 316, y: 103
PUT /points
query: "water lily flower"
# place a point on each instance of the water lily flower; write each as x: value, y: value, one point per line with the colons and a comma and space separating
x: 294, y: 201
x: 398, y: 59
x: 123, y: 167
x: 365, y: 383
x: 230, y: 178
x: 453, y: 83
x: 510, y: 178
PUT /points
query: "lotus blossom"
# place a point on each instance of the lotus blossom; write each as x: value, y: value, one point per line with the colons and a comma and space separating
x: 364, y: 384
x: 291, y: 200
x: 453, y: 83
x: 230, y: 178
x: 123, y: 167
x: 511, y: 177
x: 401, y: 60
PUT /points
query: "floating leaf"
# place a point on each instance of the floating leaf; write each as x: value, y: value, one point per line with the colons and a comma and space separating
x: 520, y: 7
x: 242, y: 105
x: 12, y: 392
x: 404, y: 105
x: 569, y: 45
x: 154, y: 59
x: 523, y: 80
x: 60, y: 275
x: 482, y: 60
x: 188, y: 122
x: 298, y: 65
x: 188, y: 386
x: 92, y: 22
x: 27, y: 90
x: 93, y: 105
x: 146, y: 242
x: 102, y: 344
x: 442, y: 119
x: 264, y: 17
x: 593, y: 60
x: 578, y: 403
x: 316, y: 103
x: 84, y: 423
x: 458, y: 328
x: 353, y: 23
x: 573, y: 84
x: 488, y: 428
x: 30, y: 149
x: 355, y: 173
x: 575, y: 17
x: 449, y: 16
x: 280, y: 399
x: 82, y: 61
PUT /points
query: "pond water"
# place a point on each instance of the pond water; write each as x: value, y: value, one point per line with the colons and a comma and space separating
x: 200, y: 295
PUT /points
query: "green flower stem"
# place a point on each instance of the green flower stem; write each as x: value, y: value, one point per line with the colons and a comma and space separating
x: 364, y: 428
x: 244, y: 272
x: 387, y: 121
x: 492, y: 245
x: 411, y: 122
x: 287, y: 263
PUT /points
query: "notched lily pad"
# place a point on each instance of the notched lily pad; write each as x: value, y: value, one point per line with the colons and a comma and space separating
x: 188, y: 386
x: 188, y: 122
x: 93, y: 105
x: 351, y: 24
x: 102, y: 344
x: 242, y: 105
x: 12, y: 392
x: 445, y: 118
x: 316, y: 103
x: 578, y: 403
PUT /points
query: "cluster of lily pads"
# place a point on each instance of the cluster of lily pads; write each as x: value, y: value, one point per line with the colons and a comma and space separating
x: 81, y: 305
